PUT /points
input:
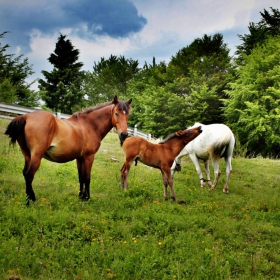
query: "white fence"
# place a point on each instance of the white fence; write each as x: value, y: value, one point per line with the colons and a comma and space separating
x: 21, y: 110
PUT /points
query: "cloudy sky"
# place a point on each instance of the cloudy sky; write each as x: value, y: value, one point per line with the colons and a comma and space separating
x: 137, y: 29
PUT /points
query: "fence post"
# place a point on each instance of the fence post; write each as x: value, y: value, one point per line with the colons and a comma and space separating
x: 135, y: 130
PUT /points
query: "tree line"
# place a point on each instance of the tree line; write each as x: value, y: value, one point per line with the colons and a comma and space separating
x: 201, y: 83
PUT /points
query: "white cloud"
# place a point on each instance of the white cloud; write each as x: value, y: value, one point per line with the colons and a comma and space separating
x: 172, y: 25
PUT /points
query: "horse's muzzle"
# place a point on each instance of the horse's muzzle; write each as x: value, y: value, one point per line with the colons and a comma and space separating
x: 122, y: 137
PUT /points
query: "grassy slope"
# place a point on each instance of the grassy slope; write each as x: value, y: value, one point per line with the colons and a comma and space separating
x: 136, y: 234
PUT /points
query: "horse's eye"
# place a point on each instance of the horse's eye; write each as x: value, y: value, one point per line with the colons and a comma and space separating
x: 116, y: 114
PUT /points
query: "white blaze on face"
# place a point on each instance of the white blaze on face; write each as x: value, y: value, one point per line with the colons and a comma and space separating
x: 124, y: 112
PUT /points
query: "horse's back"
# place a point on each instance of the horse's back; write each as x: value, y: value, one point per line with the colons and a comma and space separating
x: 133, y: 143
x: 39, y: 124
x: 215, y: 139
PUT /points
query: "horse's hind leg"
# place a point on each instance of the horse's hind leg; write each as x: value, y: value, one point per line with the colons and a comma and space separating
x: 29, y: 170
x: 84, y: 168
x: 228, y: 172
x: 217, y: 172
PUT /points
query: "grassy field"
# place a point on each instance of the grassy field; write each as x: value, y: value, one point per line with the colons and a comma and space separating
x: 135, y: 234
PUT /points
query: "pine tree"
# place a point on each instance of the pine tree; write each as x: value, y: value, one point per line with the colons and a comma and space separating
x: 62, y: 90
x: 269, y: 25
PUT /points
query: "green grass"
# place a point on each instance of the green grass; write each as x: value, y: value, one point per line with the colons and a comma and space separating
x: 136, y: 234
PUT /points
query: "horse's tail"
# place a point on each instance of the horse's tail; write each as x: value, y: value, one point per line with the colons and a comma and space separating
x: 221, y: 147
x: 16, y: 128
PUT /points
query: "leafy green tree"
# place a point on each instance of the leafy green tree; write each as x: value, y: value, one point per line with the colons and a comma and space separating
x: 205, y: 62
x: 63, y: 88
x: 13, y: 73
x: 145, y: 83
x: 188, y: 89
x: 162, y: 111
x: 269, y: 25
x: 110, y: 77
x: 253, y: 107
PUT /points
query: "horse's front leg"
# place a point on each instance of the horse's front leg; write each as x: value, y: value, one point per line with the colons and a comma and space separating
x: 167, y: 180
x: 80, y: 173
x: 198, y: 169
x: 207, y: 172
x: 176, y: 166
x: 84, y: 168
x: 165, y: 184
x: 124, y: 174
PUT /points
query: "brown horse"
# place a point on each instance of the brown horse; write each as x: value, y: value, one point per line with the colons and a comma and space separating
x: 160, y: 156
x: 41, y: 135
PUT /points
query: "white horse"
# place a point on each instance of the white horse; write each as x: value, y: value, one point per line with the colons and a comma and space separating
x: 216, y: 141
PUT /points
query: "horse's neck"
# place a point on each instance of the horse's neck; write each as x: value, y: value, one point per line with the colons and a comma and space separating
x: 101, y: 121
x: 175, y: 145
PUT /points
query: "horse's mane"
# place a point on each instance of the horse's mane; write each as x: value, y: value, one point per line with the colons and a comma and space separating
x: 169, y: 137
x: 95, y: 108
x: 123, y: 106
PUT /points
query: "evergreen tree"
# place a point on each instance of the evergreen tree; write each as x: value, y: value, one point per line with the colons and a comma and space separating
x: 13, y: 73
x: 269, y: 25
x: 62, y: 90
x: 253, y: 107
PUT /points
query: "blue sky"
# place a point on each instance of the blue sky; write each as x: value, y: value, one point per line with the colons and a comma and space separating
x: 137, y: 29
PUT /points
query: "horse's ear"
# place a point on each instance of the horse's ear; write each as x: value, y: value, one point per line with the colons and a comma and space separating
x: 129, y: 101
x: 116, y: 100
x: 179, y: 133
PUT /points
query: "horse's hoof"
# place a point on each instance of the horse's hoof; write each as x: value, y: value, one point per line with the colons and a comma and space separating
x: 178, y: 167
x: 29, y: 198
x: 28, y: 201
x: 181, y: 202
x: 225, y: 191
x: 84, y: 198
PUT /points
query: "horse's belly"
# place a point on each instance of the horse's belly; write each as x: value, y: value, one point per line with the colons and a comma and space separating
x: 56, y: 155
x: 203, y: 155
